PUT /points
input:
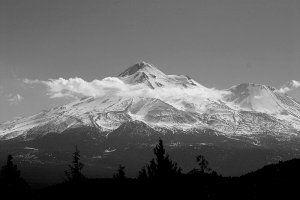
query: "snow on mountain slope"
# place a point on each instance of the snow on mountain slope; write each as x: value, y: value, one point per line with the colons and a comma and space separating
x: 147, y: 74
x: 265, y: 99
x: 254, y: 97
x: 247, y: 110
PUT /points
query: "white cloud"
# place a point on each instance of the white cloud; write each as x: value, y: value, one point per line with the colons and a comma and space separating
x: 289, y: 86
x: 77, y: 88
x: 15, y: 99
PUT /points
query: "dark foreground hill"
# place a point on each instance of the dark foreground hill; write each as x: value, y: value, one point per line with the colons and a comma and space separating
x: 273, y: 181
x: 279, y: 180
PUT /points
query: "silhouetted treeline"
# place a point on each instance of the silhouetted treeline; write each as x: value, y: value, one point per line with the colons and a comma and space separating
x: 11, y: 182
x: 163, y: 178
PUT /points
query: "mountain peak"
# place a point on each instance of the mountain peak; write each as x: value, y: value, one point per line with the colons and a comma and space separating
x: 256, y: 97
x: 140, y: 67
x: 151, y: 76
x: 144, y: 73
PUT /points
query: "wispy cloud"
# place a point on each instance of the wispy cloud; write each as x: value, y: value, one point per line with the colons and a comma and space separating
x: 289, y: 86
x: 15, y: 99
x: 77, y: 88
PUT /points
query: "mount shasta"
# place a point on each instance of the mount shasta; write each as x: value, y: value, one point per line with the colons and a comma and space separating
x: 120, y: 126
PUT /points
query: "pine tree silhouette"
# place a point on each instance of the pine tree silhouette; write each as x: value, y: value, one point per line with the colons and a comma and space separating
x: 143, y: 174
x: 120, y: 173
x: 11, y: 176
x: 162, y: 167
x: 203, y: 166
x: 74, y: 173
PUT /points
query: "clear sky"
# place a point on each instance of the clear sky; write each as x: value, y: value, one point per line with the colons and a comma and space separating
x: 219, y: 43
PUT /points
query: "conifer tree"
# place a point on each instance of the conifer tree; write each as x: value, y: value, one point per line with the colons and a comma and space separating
x: 162, y: 167
x: 120, y: 173
x: 143, y: 174
x: 203, y: 166
x: 11, y: 176
x: 74, y: 173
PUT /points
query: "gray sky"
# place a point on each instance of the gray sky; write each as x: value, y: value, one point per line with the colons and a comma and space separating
x: 218, y: 43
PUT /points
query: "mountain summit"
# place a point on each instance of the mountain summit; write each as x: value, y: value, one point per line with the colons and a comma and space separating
x: 149, y: 75
x: 142, y: 67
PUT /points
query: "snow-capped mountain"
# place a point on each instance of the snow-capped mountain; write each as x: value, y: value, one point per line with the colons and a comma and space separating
x: 247, y: 110
x: 239, y: 129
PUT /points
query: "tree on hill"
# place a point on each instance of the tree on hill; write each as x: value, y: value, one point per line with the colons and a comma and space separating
x: 74, y: 173
x: 162, y: 167
x: 120, y: 175
x: 11, y: 176
x: 203, y: 166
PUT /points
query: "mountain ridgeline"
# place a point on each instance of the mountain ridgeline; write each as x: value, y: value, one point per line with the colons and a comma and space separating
x: 238, y: 129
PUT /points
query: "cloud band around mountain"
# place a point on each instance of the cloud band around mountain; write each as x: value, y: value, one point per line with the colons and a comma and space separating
x: 77, y: 88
